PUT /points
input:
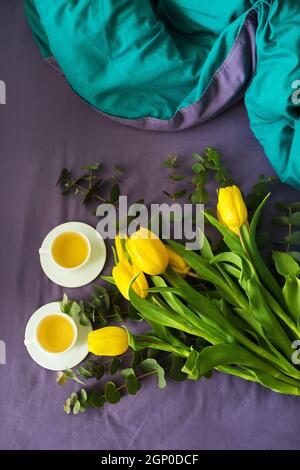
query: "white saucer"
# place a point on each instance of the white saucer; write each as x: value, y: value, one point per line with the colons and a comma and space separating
x: 86, y: 273
x: 61, y: 361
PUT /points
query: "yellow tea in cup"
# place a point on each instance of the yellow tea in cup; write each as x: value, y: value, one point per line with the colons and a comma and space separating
x: 70, y: 249
x: 55, y: 333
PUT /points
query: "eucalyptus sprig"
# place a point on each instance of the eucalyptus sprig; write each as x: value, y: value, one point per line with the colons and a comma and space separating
x: 110, y: 392
x: 89, y: 185
x: 289, y: 220
x: 172, y: 163
x: 206, y: 165
x: 103, y: 305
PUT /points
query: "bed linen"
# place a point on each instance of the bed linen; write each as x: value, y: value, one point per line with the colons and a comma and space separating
x: 172, y: 64
x: 44, y: 127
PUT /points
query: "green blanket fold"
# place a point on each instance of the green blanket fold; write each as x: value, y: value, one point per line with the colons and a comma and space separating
x: 171, y: 64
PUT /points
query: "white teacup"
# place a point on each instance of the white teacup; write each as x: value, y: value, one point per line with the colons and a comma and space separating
x: 69, y: 250
x: 55, y: 333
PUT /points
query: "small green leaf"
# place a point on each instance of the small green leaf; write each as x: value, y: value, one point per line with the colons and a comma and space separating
x: 92, y: 167
x: 96, y: 399
x: 200, y: 178
x: 293, y: 238
x: 176, y: 177
x: 84, y: 372
x: 115, y: 193
x: 103, y: 295
x: 69, y: 373
x: 64, y: 176
x: 83, y: 395
x: 99, y: 371
x: 114, y: 366
x: 198, y: 157
x: 281, y: 206
x: 213, y: 155
x: 151, y: 365
x: 172, y: 161
x: 199, y: 196
x: 295, y: 206
x: 179, y: 194
x: 75, y: 309
x: 198, y: 167
x: 280, y: 220
x: 294, y: 218
x: 131, y: 382
x: 112, y: 395
x: 73, y: 398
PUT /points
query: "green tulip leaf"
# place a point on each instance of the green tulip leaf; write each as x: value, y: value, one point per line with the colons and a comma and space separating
x: 206, y: 250
x: 285, y: 264
x: 291, y: 294
x: 230, y: 238
x: 259, y: 264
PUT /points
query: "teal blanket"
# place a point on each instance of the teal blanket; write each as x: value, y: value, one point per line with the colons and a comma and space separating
x: 172, y: 64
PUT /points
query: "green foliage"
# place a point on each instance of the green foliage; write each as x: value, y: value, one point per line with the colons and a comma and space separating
x: 102, y: 306
x: 172, y: 163
x: 89, y: 186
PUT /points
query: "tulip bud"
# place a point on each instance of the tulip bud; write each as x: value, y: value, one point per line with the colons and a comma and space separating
x: 119, y: 247
x: 177, y: 262
x: 147, y: 252
x: 123, y: 273
x: 108, y: 341
x: 231, y: 209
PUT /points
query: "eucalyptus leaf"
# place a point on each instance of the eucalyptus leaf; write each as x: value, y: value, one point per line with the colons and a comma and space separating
x: 151, y: 365
x: 96, y: 399
x: 131, y: 381
x: 293, y: 238
x: 112, y: 395
x: 76, y: 407
x: 85, y: 372
x: 114, y: 193
x: 114, y: 366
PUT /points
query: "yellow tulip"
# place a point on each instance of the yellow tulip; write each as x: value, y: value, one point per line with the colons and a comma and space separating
x: 231, y: 209
x: 147, y: 252
x: 123, y: 273
x: 177, y: 262
x: 108, y: 341
x: 119, y: 247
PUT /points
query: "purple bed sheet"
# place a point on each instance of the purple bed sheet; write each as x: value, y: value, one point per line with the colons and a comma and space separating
x: 44, y: 127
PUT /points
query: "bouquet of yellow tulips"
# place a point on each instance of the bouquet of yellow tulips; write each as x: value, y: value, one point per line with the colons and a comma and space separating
x: 245, y: 313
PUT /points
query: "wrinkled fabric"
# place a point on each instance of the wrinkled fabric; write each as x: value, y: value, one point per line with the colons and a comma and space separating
x: 44, y: 127
x: 172, y: 64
